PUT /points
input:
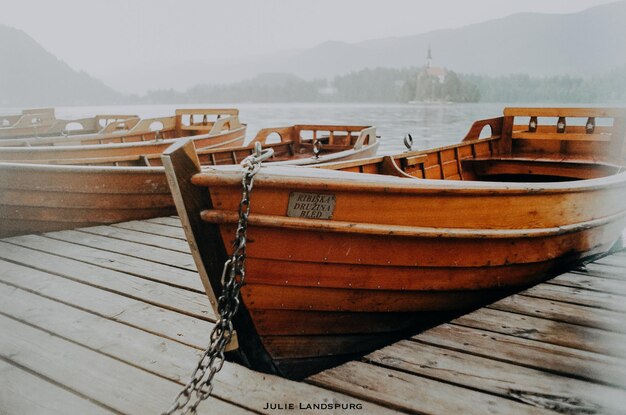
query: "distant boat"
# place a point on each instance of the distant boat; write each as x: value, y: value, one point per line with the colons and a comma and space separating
x: 140, y: 139
x: 42, y: 122
x: 344, y: 258
x: 36, y: 198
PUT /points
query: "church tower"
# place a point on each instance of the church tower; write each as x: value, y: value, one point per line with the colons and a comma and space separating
x: 429, y: 58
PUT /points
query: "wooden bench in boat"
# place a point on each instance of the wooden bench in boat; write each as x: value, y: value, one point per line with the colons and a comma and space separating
x: 571, y: 131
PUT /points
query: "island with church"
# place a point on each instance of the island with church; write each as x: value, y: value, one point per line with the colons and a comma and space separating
x: 438, y: 84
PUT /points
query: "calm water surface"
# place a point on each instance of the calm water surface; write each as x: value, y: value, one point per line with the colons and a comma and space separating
x: 430, y: 124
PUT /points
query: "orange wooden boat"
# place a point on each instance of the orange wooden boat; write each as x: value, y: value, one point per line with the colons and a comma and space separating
x: 111, y: 129
x: 37, y: 198
x: 294, y: 145
x: 224, y: 132
x: 345, y: 258
x: 34, y: 124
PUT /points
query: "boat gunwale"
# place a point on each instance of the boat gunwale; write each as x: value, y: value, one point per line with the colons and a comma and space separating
x: 168, y: 141
x: 330, y: 180
x: 62, y: 168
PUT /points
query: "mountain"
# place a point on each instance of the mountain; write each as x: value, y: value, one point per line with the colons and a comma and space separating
x: 580, y: 44
x: 31, y: 76
x: 584, y: 43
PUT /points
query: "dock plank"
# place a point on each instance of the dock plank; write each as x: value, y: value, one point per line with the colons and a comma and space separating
x: 169, y: 221
x: 580, y: 296
x: 548, y: 357
x: 144, y: 250
x: 112, y: 338
x: 132, y: 235
x: 511, y: 381
x: 604, y: 271
x: 117, y: 385
x: 415, y: 394
x: 111, y: 260
x: 154, y: 319
x: 152, y: 228
x: 564, y: 312
x: 22, y: 392
x: 111, y: 319
x: 617, y: 260
x: 152, y: 353
x: 547, y: 331
x: 590, y: 282
x: 152, y: 292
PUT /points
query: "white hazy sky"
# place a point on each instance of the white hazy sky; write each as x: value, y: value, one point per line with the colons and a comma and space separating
x: 103, y: 37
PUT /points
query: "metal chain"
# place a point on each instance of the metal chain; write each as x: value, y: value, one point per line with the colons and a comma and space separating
x: 200, y: 385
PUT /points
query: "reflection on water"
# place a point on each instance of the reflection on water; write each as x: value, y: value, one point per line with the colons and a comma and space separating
x: 431, y: 124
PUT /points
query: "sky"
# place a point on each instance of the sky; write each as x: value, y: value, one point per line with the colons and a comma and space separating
x: 103, y: 37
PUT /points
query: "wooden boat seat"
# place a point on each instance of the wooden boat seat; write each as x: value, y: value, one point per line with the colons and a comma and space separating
x: 516, y: 169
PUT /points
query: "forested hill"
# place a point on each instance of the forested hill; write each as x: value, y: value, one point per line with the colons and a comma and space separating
x: 400, y: 85
x: 30, y: 75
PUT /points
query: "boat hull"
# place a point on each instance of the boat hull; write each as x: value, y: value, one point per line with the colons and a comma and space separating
x: 39, y: 198
x: 231, y: 138
x: 320, y: 290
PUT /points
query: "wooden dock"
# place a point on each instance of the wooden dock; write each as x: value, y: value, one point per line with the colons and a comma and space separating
x: 112, y: 319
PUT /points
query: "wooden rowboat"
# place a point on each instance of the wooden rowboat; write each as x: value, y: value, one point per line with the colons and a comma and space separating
x: 224, y: 132
x: 110, y: 129
x: 346, y: 258
x: 36, y: 198
x: 34, y: 124
x: 294, y: 145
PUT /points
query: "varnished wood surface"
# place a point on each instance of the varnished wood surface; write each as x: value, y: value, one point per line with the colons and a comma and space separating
x: 37, y: 198
x: 476, y: 220
x: 558, y: 347
x: 231, y: 138
x: 111, y: 319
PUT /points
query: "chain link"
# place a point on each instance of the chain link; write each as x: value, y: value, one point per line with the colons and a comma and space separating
x: 200, y: 385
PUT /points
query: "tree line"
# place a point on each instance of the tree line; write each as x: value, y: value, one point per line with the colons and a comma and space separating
x: 404, y: 85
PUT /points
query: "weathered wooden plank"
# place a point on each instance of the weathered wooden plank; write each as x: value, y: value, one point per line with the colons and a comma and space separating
x: 22, y: 392
x: 412, y: 393
x: 165, y: 323
x: 527, y: 385
x: 162, y: 295
x: 578, y: 296
x: 155, y: 354
x: 152, y: 254
x: 614, y: 260
x: 146, y: 239
x: 565, y: 312
x: 152, y: 228
x: 167, y: 220
x: 604, y: 271
x: 543, y: 356
x: 548, y: 331
x: 111, y: 260
x: 101, y: 378
x: 590, y: 282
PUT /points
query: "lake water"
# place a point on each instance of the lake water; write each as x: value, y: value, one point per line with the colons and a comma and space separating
x: 431, y: 124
